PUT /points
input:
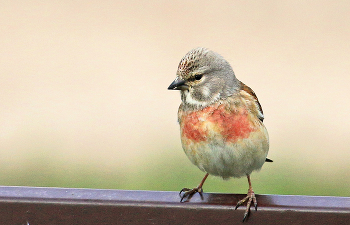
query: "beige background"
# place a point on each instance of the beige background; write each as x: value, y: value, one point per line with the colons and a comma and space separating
x: 84, y: 85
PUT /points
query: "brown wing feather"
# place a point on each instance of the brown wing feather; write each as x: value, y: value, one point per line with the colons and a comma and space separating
x: 252, y: 93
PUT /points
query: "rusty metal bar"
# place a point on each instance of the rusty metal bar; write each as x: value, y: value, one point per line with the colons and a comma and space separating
x: 36, y: 205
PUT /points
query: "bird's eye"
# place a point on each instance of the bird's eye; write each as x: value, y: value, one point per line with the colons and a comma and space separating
x: 198, y: 77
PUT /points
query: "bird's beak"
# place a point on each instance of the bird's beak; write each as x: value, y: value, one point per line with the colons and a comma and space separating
x: 178, y: 84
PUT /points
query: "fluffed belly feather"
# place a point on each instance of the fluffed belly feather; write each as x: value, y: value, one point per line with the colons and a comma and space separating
x: 229, y: 159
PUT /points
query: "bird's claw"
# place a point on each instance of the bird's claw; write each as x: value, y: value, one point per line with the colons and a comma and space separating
x: 188, y: 193
x: 249, y: 199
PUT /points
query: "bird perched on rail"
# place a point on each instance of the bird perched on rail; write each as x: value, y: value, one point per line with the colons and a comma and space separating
x: 221, y: 121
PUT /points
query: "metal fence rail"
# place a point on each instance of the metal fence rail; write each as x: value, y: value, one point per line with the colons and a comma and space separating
x: 33, y: 205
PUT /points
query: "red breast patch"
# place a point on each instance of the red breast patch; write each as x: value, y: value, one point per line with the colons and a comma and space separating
x: 231, y: 124
x: 192, y: 127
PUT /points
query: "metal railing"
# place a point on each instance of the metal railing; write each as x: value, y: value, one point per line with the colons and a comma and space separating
x: 35, y: 205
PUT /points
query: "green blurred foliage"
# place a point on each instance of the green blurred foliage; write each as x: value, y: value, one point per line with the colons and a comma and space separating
x: 166, y: 173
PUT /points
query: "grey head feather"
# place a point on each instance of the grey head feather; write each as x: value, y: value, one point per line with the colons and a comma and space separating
x: 217, y: 79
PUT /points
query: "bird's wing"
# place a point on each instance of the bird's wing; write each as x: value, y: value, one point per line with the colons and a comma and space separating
x: 248, y: 90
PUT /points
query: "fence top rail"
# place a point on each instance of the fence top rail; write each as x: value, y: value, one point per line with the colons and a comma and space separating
x: 171, y: 199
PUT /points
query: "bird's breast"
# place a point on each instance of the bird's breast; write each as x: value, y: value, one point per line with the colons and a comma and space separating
x: 216, y: 121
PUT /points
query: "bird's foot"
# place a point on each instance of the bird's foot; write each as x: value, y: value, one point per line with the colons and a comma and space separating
x: 188, y: 193
x: 249, y: 199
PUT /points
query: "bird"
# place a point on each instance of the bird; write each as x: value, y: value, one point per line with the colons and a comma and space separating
x: 221, y: 122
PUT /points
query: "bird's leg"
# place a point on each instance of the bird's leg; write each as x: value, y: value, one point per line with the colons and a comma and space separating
x: 249, y: 199
x: 188, y: 193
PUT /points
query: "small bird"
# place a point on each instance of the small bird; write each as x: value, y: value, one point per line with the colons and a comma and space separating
x: 221, y: 121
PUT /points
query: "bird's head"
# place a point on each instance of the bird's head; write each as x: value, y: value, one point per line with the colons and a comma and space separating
x: 203, y: 77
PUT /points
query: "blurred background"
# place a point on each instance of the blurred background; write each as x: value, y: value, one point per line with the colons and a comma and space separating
x: 84, y: 99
